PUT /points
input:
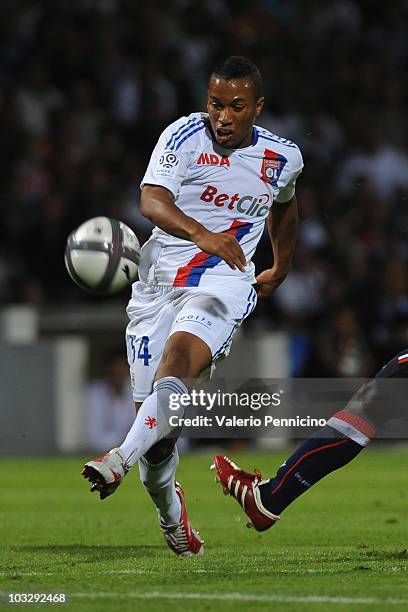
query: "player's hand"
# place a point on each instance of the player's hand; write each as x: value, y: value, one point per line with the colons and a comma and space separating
x: 223, y: 245
x: 267, y: 281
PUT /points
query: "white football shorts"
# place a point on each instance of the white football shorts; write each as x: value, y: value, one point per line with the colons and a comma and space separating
x: 156, y: 312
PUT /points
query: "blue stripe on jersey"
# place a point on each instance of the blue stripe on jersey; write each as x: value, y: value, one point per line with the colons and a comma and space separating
x: 227, y: 341
x: 169, y: 386
x: 255, y: 136
x: 283, y: 141
x: 251, y: 302
x: 189, y: 134
x: 195, y: 275
x: 243, y: 230
x: 185, y: 126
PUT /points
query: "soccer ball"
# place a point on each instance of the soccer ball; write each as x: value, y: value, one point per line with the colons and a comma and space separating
x: 102, y: 255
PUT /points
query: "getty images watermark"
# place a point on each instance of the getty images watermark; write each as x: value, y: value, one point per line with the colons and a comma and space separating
x: 207, y: 400
x: 277, y: 408
x: 217, y: 401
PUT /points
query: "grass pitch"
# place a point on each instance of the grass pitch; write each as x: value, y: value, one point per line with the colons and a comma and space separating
x: 341, y: 546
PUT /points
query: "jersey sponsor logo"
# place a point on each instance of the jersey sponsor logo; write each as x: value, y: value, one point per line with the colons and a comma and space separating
x: 167, y: 165
x: 272, y: 166
x: 254, y: 206
x: 211, y: 159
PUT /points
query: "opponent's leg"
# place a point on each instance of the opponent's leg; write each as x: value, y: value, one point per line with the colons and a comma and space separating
x: 345, y: 435
x: 328, y: 449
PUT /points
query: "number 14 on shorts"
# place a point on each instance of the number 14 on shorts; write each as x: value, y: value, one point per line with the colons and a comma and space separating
x: 142, y: 345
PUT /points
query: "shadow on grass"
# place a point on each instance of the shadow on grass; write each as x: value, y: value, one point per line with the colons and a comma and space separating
x: 84, y: 552
x: 387, y: 555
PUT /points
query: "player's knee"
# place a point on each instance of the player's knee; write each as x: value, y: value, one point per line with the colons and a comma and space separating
x: 364, y: 403
x: 175, y: 362
x: 160, y: 451
x: 361, y: 398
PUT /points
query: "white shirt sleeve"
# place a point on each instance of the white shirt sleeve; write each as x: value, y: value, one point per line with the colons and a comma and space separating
x: 168, y: 164
x: 287, y: 182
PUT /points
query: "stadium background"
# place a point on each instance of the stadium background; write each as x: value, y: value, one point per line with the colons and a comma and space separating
x: 88, y: 85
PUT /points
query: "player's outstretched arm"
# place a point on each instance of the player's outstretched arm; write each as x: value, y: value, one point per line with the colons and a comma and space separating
x: 282, y: 222
x: 157, y: 205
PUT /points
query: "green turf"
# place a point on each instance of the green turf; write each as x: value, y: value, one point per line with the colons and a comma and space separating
x: 347, y: 538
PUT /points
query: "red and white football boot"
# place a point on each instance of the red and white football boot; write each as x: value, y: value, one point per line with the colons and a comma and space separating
x: 106, y: 473
x: 244, y: 487
x: 183, y: 539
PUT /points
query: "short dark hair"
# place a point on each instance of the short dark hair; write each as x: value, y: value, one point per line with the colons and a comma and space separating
x: 238, y: 67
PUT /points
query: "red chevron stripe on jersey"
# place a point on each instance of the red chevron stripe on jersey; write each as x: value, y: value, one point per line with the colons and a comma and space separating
x: 190, y: 275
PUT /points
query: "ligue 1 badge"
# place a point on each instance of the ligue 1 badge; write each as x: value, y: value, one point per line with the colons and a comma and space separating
x: 272, y: 166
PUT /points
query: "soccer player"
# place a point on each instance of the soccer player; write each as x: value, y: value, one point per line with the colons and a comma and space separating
x: 345, y: 434
x: 213, y: 180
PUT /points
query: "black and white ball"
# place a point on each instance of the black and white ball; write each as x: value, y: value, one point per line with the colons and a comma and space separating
x: 102, y: 255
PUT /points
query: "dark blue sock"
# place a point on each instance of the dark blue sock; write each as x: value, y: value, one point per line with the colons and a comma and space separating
x: 322, y: 453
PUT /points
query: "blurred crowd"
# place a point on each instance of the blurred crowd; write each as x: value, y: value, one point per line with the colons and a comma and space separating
x: 88, y: 85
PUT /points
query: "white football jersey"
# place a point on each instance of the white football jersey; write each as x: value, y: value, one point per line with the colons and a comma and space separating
x: 226, y: 190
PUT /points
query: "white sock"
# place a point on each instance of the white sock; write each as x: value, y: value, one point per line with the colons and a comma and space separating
x: 152, y: 421
x: 158, y: 480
